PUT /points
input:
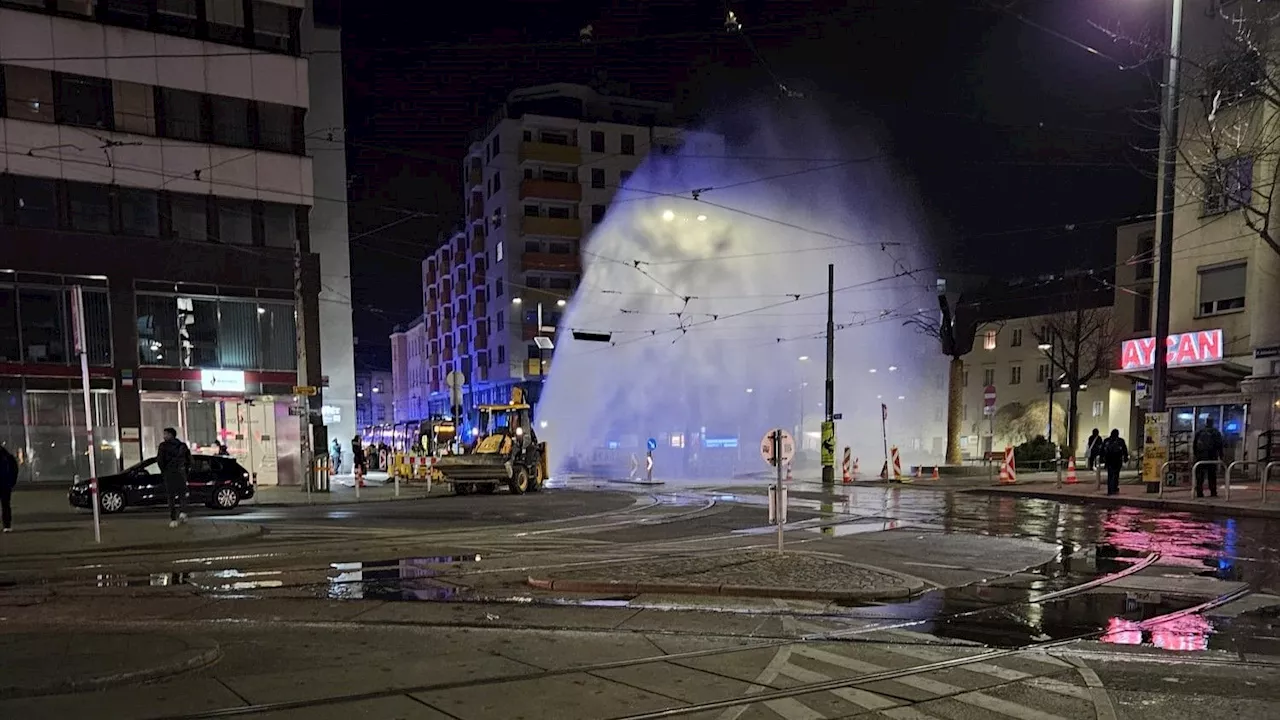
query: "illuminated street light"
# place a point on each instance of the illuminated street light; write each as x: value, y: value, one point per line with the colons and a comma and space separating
x: 516, y: 301
x: 560, y: 303
x: 702, y: 218
x: 750, y: 390
x: 668, y: 216
x: 803, y: 358
x: 893, y: 368
x: 902, y: 397
x: 1045, y: 347
x: 873, y: 369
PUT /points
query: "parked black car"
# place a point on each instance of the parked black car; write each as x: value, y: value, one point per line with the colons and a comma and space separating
x: 219, y: 482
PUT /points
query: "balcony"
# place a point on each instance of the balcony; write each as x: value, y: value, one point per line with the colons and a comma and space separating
x: 477, y: 279
x: 551, y: 153
x: 479, y: 310
x: 551, y: 227
x: 477, y: 209
x: 474, y: 177
x: 551, y: 190
x: 481, y: 342
x: 477, y: 241
x: 553, y: 262
x: 532, y: 368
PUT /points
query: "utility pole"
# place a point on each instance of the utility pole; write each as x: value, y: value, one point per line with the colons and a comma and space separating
x: 829, y: 423
x: 300, y: 330
x: 1168, y: 188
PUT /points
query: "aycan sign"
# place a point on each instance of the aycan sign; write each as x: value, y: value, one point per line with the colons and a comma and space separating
x: 1194, y: 348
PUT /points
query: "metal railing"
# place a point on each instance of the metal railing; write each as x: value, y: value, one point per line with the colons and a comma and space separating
x: 1231, y: 467
x: 1164, y: 470
x: 1266, y: 473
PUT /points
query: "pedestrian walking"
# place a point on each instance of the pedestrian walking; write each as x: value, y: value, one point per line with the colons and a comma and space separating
x: 174, y: 458
x: 1115, y: 453
x: 359, y: 463
x: 8, y: 479
x: 1207, y: 445
x: 335, y: 454
x: 1093, y: 449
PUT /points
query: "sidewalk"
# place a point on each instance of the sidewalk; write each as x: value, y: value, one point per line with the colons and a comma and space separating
x: 1246, y: 499
x: 118, y: 533
x: 342, y: 490
x: 48, y: 663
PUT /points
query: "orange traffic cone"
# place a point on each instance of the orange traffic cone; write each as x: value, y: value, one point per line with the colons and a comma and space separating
x: 1071, y: 471
x: 935, y: 473
x: 919, y: 472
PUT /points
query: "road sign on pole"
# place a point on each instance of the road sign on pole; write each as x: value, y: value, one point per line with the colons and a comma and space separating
x: 989, y: 396
x: 653, y: 444
x: 770, y: 453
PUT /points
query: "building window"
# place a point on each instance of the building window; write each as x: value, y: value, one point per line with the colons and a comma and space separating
x: 279, y: 225
x: 83, y: 101
x: 1142, y: 311
x: 235, y: 222
x: 35, y: 202
x: 989, y: 341
x: 597, y: 214
x: 77, y: 7
x: 964, y: 379
x: 1015, y: 375
x: 497, y: 287
x: 134, y: 106
x: 597, y: 178
x: 597, y: 141
x: 502, y: 320
x: 10, y: 346
x: 226, y: 20
x: 497, y: 182
x: 1144, y: 258
x: 41, y: 316
x: 1222, y: 289
x: 274, y: 26
x: 497, y: 145
x: 1042, y: 373
x: 988, y: 376
x: 1097, y: 408
x: 1016, y: 341
x: 497, y: 251
x: 531, y: 211
x: 502, y: 354
x: 188, y: 217
x: 28, y: 93
x: 230, y: 118
x: 88, y: 207
x: 628, y: 144
x: 278, y: 127
x: 1228, y: 185
x: 134, y: 13
x: 183, y: 114
x: 178, y: 16
x: 139, y: 212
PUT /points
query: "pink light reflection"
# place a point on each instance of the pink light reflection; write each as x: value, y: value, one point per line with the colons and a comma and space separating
x: 1188, y: 633
x: 1180, y: 539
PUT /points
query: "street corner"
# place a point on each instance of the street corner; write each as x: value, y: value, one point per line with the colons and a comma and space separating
x: 132, y: 533
x: 41, y: 663
x: 795, y: 575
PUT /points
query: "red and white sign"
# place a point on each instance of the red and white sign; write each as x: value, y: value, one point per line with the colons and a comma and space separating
x: 989, y: 396
x: 1201, y: 347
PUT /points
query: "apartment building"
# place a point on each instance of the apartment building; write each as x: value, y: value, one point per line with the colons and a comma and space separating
x: 1224, y: 348
x: 154, y: 154
x: 1009, y: 358
x: 374, y: 399
x: 409, y: 387
x: 538, y: 178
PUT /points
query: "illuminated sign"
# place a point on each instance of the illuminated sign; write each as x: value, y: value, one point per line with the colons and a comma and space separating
x: 220, y: 381
x: 1201, y: 347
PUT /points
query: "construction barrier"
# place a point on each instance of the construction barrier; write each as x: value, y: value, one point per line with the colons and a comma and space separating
x: 935, y: 473
x: 897, y: 463
x: 1008, y: 468
x: 845, y: 469
x: 1071, y: 471
x: 788, y: 472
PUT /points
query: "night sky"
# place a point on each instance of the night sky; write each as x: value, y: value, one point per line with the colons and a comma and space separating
x: 1015, y: 136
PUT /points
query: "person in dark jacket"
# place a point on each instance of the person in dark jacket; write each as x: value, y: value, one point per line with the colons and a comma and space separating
x: 359, y: 463
x: 1207, y: 445
x: 1093, y: 449
x: 8, y: 478
x: 174, y: 458
x: 1115, y: 453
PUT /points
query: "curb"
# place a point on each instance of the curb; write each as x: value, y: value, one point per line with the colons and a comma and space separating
x: 192, y: 659
x: 1172, y: 505
x: 678, y: 588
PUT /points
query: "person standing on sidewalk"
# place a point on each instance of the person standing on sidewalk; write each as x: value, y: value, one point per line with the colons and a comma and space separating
x: 174, y: 458
x: 1093, y: 449
x: 1207, y: 445
x: 8, y: 478
x: 1115, y: 453
x: 359, y: 464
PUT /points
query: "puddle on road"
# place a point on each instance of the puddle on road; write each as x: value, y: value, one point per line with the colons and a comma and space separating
x: 400, y: 579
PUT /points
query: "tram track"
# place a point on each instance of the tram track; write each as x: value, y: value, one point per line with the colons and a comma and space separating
x: 806, y: 688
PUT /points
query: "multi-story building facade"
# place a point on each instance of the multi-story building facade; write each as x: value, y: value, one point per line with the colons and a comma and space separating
x: 374, y: 399
x: 409, y: 387
x: 1224, y: 349
x: 154, y: 154
x: 538, y: 178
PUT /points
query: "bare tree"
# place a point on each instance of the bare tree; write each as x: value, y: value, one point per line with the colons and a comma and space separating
x: 954, y: 329
x: 1022, y: 422
x: 1080, y: 345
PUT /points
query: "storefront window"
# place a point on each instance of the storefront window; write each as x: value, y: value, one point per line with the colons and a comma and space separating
x: 279, y: 337
x: 13, y: 430
x: 157, y: 330
x: 198, y: 332
x: 238, y: 335
x: 106, y: 443
x: 41, y: 313
x: 9, y: 345
x: 208, y: 333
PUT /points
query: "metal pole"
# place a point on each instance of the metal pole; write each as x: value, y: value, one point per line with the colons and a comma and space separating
x: 1051, y: 384
x: 541, y: 376
x: 77, y: 308
x: 253, y: 466
x: 828, y: 460
x: 777, y: 489
x: 1168, y: 191
x: 884, y: 434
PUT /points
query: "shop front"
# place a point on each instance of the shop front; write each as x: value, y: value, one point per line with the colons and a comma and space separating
x: 236, y: 408
x: 1205, y: 385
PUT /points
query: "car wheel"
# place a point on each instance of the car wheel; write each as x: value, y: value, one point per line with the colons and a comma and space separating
x: 110, y: 501
x: 538, y: 481
x: 519, y: 482
x: 226, y: 498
